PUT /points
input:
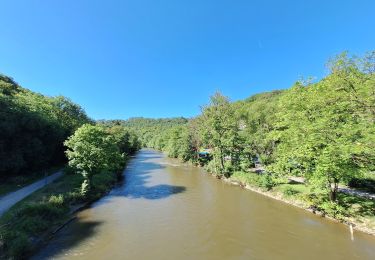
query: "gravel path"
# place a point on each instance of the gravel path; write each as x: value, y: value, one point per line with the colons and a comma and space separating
x: 12, y: 198
x: 359, y: 193
x: 342, y: 189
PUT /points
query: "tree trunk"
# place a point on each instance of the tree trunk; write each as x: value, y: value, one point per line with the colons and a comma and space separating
x: 221, y: 160
x: 333, y: 191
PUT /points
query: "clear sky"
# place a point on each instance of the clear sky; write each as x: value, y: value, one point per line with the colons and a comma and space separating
x: 164, y: 58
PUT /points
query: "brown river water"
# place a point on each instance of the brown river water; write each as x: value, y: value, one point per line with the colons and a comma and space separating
x: 168, y: 210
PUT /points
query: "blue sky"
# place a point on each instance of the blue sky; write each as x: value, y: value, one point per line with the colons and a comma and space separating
x: 164, y: 58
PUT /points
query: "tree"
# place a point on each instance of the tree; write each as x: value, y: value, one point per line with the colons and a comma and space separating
x: 33, y: 128
x: 326, y: 130
x: 220, y: 132
x: 92, y: 150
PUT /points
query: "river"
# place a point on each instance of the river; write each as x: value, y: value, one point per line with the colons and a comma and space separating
x: 168, y: 210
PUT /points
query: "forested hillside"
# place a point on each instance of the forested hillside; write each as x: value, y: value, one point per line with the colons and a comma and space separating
x: 148, y: 130
x: 33, y: 128
x: 38, y: 132
x: 323, y: 131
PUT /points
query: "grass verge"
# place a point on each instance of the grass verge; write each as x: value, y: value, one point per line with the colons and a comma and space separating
x: 18, y: 182
x: 31, y: 220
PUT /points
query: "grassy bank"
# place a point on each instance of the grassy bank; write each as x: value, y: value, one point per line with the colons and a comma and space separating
x: 359, y: 212
x: 17, y: 182
x: 33, y: 219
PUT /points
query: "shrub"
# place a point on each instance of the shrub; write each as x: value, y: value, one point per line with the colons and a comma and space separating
x: 19, y: 245
x: 210, y: 167
x: 315, y: 199
x: 57, y: 201
x: 33, y: 225
x: 74, y: 197
x: 47, y: 211
x: 333, y: 209
x: 266, y: 181
x: 290, y: 191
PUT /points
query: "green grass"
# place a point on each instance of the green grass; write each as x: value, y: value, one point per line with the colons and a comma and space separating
x: 19, y: 182
x: 43, y: 211
x: 290, y: 189
x: 357, y: 205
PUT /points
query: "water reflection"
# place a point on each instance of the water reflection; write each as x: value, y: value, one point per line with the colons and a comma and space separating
x: 136, y: 181
x: 68, y: 239
x: 165, y: 212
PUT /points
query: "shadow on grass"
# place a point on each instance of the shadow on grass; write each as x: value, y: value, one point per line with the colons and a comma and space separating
x: 362, y: 206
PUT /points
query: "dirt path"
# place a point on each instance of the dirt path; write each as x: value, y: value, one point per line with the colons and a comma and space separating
x: 359, y: 193
x: 12, y: 198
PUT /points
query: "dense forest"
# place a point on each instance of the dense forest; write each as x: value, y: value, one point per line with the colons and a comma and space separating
x: 33, y: 128
x: 38, y: 132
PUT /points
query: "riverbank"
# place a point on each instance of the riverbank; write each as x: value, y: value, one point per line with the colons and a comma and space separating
x: 8, y: 200
x: 360, y: 219
x: 32, y: 221
x: 18, y: 182
x: 359, y: 212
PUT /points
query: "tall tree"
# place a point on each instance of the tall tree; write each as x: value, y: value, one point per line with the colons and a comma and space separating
x: 326, y: 130
x: 92, y: 150
x: 220, y: 131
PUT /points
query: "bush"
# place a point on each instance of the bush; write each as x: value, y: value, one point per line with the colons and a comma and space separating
x: 333, y: 209
x: 315, y: 199
x: 102, y: 182
x: 228, y: 169
x: 290, y: 191
x: 33, y: 225
x: 321, y: 202
x: 57, y: 201
x: 48, y: 211
x: 266, y: 181
x: 74, y: 197
x: 210, y: 167
x: 19, y: 246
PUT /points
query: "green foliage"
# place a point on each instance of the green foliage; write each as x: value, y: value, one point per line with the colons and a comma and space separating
x: 220, y: 132
x: 257, y: 115
x: 45, y: 210
x: 210, y: 167
x: 265, y: 181
x: 126, y: 139
x: 19, y: 247
x: 57, y: 200
x: 33, y: 128
x: 333, y: 209
x: 325, y: 131
x: 151, y: 132
x: 290, y: 191
x: 93, y: 150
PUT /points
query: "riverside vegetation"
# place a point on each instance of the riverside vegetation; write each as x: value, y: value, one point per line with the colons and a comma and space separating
x: 322, y: 132
x: 34, y: 130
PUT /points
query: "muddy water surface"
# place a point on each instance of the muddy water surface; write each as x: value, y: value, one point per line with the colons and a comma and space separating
x: 167, y: 210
